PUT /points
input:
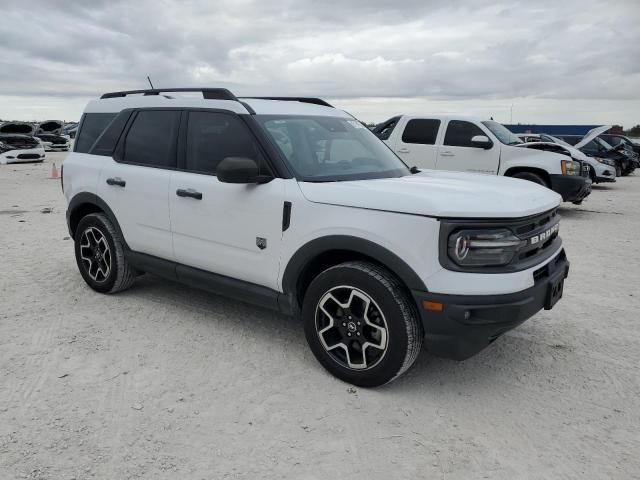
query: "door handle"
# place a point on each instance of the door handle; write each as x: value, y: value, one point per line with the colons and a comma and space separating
x: 403, y: 150
x: 116, y: 181
x: 447, y: 154
x: 189, y: 192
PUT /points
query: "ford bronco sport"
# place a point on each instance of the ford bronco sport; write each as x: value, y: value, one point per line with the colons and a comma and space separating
x: 291, y: 204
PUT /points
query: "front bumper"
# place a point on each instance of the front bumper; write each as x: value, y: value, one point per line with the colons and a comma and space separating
x: 572, y: 188
x: 469, y: 323
x: 23, y: 155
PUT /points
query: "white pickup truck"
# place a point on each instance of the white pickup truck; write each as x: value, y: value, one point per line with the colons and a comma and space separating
x: 444, y: 142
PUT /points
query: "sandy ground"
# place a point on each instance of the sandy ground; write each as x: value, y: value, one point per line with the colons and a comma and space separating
x: 167, y: 382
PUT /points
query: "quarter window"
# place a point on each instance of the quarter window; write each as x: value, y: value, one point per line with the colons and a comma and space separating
x: 422, y: 131
x: 151, y: 140
x: 212, y: 137
x: 459, y: 133
x: 93, y: 124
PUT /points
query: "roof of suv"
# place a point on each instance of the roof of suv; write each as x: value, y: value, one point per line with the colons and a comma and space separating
x: 117, y: 101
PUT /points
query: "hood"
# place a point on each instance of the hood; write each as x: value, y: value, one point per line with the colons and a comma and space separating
x: 22, y: 128
x: 591, y: 134
x: 439, y: 194
x: 51, y: 126
x: 556, y: 147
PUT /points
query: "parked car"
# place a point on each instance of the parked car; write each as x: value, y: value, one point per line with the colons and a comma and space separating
x: 18, y: 145
x: 51, y: 132
x: 54, y: 143
x: 615, y: 140
x: 294, y: 205
x: 600, y: 169
x: 445, y: 142
x: 594, y: 146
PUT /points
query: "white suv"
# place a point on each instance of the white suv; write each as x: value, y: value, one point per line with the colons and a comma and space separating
x: 294, y: 205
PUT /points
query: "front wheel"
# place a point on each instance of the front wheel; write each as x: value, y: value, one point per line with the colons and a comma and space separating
x: 360, y: 324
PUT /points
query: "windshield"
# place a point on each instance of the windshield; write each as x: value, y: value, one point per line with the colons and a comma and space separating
x: 503, y: 134
x: 324, y: 149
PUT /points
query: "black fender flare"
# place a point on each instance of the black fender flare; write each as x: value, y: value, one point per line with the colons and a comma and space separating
x: 85, y: 198
x: 305, y: 254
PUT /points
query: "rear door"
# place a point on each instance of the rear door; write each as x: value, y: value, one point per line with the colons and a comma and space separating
x: 135, y: 184
x: 416, y: 143
x: 233, y: 230
x: 459, y: 154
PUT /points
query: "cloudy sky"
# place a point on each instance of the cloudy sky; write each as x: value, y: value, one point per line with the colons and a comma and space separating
x: 570, y: 61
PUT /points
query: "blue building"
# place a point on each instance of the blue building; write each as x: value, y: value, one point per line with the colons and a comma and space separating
x: 551, y: 129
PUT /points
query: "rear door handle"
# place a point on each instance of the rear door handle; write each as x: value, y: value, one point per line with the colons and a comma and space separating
x: 189, y: 192
x: 447, y: 154
x: 403, y: 150
x: 116, y: 181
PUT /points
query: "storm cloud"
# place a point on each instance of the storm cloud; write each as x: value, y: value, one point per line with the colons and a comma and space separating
x: 374, y: 56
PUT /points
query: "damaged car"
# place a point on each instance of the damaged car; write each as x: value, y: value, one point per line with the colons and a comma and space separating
x: 600, y: 169
x: 18, y: 143
x: 50, y: 132
x: 592, y: 145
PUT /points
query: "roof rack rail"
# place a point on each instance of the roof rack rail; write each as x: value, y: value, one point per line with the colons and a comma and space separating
x: 315, y: 101
x: 207, y: 93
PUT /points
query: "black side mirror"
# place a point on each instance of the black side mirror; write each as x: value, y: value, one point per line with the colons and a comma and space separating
x: 481, y: 141
x: 240, y: 170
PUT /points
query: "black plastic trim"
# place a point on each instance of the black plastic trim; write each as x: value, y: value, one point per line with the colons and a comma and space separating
x: 305, y: 255
x: 312, y: 100
x: 469, y: 323
x: 86, y: 198
x: 209, y: 281
x: 208, y: 93
x: 286, y: 216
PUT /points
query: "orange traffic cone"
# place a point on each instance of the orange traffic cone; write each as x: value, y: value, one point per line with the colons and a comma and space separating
x: 54, y: 172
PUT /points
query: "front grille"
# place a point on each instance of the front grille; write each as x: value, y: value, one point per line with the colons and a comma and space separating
x: 28, y: 156
x: 540, y: 234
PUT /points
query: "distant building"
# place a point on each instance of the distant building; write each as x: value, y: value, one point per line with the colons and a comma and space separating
x: 559, y: 129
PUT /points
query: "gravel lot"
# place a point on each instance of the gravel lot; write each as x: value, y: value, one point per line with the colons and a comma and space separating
x: 167, y: 382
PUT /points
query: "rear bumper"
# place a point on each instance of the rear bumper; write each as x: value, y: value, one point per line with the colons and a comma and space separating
x: 469, y: 323
x: 572, y: 188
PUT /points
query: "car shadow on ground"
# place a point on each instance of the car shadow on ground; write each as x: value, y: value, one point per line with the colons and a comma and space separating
x: 429, y: 373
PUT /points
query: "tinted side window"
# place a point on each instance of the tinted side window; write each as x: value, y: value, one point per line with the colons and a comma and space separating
x: 212, y: 137
x: 421, y: 131
x: 459, y: 133
x: 151, y: 140
x: 106, y: 143
x: 93, y: 124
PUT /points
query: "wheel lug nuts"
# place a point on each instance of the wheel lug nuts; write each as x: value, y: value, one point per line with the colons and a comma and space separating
x: 349, y: 334
x: 358, y: 323
x: 344, y: 324
x: 349, y: 317
x: 358, y: 333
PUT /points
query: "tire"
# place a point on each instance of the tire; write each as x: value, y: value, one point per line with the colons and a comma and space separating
x: 532, y: 177
x: 100, y: 255
x: 618, y: 171
x: 382, y: 344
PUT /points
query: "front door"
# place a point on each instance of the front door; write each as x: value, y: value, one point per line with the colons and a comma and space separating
x: 233, y: 230
x: 457, y: 153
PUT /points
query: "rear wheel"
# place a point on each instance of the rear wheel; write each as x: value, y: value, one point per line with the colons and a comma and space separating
x: 100, y: 255
x: 532, y: 177
x: 360, y: 324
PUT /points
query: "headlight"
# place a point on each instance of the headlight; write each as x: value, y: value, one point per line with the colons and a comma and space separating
x: 478, y: 248
x: 570, y: 168
x: 606, y: 161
